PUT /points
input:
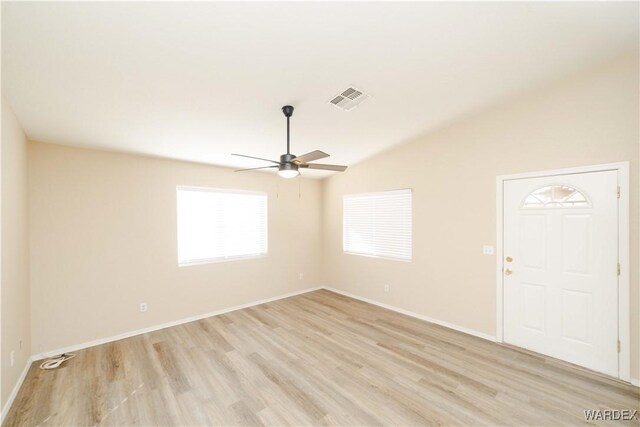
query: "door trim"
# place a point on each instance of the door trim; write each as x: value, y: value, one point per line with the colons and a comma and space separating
x: 624, y: 320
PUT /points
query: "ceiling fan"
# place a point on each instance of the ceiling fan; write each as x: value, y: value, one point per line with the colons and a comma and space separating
x: 289, y: 163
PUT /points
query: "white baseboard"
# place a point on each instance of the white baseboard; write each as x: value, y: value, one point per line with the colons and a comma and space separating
x: 416, y: 315
x: 105, y: 340
x: 15, y: 390
x: 635, y: 382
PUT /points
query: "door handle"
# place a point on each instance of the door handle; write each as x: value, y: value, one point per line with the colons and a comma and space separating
x: 507, y: 272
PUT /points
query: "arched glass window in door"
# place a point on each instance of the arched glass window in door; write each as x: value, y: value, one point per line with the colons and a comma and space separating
x: 555, y: 196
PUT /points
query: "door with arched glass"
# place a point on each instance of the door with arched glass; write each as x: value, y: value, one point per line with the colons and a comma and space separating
x: 560, y: 267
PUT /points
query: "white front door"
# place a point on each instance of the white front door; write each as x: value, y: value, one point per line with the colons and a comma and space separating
x: 561, y: 267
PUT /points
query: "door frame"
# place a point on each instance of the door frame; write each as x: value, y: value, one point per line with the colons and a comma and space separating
x: 624, y: 320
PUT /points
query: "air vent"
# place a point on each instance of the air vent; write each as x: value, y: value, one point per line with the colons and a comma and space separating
x: 349, y: 98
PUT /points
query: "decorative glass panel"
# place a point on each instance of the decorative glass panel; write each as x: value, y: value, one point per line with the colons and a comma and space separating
x: 555, y: 196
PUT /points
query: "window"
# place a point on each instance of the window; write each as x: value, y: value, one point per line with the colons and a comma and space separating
x: 218, y: 225
x: 378, y: 224
x: 555, y: 196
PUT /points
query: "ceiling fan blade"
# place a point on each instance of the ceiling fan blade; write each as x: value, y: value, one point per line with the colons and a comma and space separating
x: 257, y: 158
x: 252, y: 169
x: 337, y: 168
x: 309, y: 157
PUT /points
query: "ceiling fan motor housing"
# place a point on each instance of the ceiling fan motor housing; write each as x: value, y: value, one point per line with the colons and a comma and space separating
x: 286, y: 162
x: 287, y: 158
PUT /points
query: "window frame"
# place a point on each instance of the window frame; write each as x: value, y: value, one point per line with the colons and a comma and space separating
x: 201, y: 261
x: 376, y: 193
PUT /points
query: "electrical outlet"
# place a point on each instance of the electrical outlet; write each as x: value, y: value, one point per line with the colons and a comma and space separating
x: 386, y: 288
x: 487, y: 250
x: 12, y: 357
x: 143, y: 307
x: 301, y: 276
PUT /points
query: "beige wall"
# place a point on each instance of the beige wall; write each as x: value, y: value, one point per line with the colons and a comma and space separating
x: 103, y: 235
x: 14, y: 290
x: 103, y: 240
x: 591, y: 118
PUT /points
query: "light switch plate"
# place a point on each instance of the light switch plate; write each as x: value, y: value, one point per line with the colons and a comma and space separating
x: 487, y: 250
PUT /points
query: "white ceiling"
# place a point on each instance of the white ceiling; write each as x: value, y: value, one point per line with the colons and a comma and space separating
x: 197, y: 81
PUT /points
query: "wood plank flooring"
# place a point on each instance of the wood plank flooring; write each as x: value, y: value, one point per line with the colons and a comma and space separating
x: 314, y: 359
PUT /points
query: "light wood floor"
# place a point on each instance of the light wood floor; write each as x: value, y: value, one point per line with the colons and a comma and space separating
x: 313, y: 359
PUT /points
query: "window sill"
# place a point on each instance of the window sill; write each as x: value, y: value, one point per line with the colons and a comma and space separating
x: 219, y: 260
x: 377, y: 256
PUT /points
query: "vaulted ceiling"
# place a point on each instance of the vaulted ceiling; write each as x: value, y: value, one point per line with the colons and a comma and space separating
x: 197, y: 81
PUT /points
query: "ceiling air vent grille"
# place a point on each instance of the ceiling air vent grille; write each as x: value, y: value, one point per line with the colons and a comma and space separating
x: 349, y: 98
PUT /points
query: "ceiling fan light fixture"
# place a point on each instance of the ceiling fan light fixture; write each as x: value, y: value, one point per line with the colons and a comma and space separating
x: 288, y: 170
x: 288, y: 173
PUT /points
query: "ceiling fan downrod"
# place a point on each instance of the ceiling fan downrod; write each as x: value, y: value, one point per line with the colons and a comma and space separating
x: 288, y: 112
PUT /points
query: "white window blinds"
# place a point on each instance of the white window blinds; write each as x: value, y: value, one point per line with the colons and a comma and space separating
x: 378, y: 224
x: 215, y: 225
